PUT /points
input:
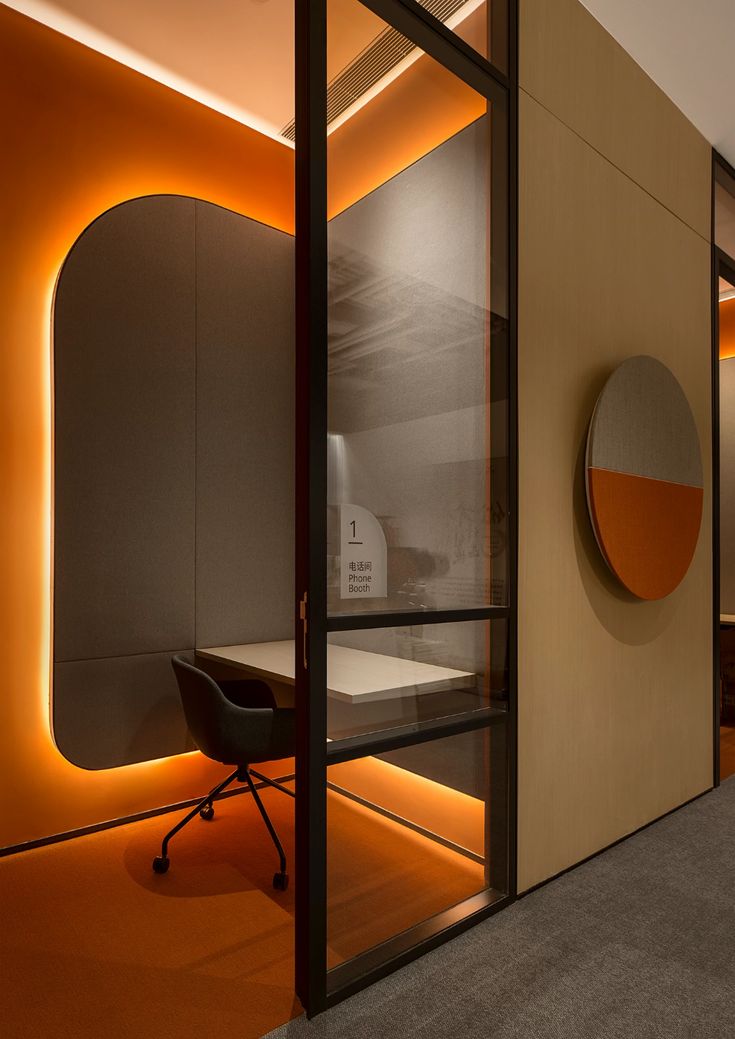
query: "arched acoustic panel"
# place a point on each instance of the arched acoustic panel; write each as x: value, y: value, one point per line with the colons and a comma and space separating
x: 644, y: 477
x: 173, y: 464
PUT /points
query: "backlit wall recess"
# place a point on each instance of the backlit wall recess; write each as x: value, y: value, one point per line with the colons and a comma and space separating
x: 644, y: 478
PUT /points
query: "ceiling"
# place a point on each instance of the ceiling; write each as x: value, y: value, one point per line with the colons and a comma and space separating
x: 688, y: 48
x: 237, y: 55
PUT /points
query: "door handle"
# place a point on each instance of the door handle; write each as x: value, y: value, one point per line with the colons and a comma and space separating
x: 303, y: 605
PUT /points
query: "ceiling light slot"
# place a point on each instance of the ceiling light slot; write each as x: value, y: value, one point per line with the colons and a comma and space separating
x: 381, y: 56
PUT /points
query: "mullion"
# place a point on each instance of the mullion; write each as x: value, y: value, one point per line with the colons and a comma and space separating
x: 442, y: 45
x: 434, y: 38
x: 412, y: 735
x: 408, y: 618
x: 311, y: 495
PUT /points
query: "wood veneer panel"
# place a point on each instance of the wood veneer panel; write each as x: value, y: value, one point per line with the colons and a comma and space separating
x: 615, y: 715
x: 570, y: 64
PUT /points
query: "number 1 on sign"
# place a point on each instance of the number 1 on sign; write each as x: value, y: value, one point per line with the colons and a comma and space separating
x: 363, y: 559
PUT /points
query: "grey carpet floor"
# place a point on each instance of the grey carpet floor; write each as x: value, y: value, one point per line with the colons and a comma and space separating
x: 638, y: 942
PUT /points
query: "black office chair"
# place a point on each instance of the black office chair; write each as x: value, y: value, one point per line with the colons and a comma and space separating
x: 237, y: 723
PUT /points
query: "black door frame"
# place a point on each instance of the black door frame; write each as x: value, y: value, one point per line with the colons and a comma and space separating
x: 311, y: 622
x: 722, y: 265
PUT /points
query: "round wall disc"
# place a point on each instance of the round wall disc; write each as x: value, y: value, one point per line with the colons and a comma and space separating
x: 644, y: 477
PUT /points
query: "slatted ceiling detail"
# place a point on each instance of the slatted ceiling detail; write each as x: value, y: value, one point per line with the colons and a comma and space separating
x: 382, y: 55
x: 387, y: 51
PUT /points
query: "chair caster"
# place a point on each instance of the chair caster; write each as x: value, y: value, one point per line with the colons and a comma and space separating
x: 160, y: 865
x: 280, y: 881
x: 207, y: 812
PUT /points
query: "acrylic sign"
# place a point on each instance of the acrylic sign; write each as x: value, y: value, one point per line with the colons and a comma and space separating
x: 364, y: 555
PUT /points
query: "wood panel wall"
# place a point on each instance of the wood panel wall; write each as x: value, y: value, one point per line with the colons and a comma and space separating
x: 615, y: 695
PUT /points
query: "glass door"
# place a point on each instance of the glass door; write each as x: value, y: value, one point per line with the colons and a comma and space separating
x: 723, y: 452
x: 406, y: 500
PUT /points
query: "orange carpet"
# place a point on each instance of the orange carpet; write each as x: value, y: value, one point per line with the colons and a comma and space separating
x: 93, y: 943
x: 383, y: 879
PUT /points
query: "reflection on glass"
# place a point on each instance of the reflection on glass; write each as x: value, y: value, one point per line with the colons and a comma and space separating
x: 385, y: 678
x: 418, y: 515
x: 412, y: 833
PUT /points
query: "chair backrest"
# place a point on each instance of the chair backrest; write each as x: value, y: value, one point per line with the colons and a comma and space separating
x: 226, y: 731
x: 204, y: 705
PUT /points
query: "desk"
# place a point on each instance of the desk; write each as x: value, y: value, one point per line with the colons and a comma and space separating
x: 353, y: 675
x: 727, y: 620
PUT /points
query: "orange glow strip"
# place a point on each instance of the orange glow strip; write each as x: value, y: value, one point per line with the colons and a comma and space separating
x: 440, y: 809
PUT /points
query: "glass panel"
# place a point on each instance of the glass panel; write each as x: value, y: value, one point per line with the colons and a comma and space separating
x: 418, y: 391
x: 726, y: 319
x: 385, y: 678
x: 411, y: 833
x: 724, y: 210
x: 727, y: 527
x: 418, y: 374
x: 471, y: 20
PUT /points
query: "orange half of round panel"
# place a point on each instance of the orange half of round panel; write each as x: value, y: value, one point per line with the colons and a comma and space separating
x: 644, y: 478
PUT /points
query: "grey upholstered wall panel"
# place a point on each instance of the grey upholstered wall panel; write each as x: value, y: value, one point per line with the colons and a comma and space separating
x: 124, y: 434
x: 118, y: 710
x: 174, y: 464
x: 727, y: 485
x: 245, y: 430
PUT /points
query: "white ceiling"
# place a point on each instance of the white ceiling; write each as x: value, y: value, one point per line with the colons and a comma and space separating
x: 688, y: 48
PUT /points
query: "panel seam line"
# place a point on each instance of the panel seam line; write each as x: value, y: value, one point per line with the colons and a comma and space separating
x: 615, y: 166
x: 643, y: 476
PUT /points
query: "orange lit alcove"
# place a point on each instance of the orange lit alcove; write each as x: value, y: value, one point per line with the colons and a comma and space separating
x: 89, y: 151
x: 79, y: 153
